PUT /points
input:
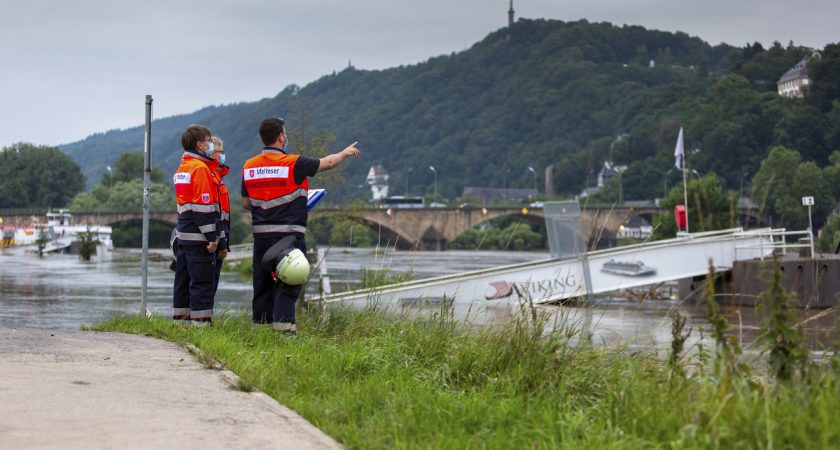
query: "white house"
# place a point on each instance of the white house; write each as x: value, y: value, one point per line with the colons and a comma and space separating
x: 377, y: 178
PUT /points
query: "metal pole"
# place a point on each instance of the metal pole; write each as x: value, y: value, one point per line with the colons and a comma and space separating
x: 811, y: 231
x: 685, y: 194
x: 147, y: 171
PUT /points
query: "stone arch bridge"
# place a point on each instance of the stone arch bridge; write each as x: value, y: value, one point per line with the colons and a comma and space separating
x: 435, y: 228
x: 407, y: 228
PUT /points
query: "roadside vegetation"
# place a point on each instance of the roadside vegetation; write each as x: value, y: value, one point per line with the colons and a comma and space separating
x: 373, y: 378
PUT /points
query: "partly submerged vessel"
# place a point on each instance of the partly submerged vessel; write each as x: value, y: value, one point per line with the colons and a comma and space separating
x: 628, y: 268
x: 59, y: 235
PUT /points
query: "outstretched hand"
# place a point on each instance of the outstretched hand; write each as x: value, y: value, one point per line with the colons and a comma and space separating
x: 351, y: 150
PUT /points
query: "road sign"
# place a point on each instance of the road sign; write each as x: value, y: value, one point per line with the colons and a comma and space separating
x: 807, y: 201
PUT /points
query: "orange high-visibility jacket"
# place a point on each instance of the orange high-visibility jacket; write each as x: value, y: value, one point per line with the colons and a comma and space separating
x: 278, y: 203
x: 197, y: 193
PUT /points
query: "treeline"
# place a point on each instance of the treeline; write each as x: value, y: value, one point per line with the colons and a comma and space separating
x: 543, y: 93
x: 33, y: 176
x: 533, y: 95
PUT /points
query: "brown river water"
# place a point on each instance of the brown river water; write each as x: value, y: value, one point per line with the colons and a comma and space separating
x: 62, y: 292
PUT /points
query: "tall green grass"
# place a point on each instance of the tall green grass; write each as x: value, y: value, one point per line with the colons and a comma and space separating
x: 372, y: 379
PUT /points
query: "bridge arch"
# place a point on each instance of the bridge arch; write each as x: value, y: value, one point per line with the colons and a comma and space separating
x: 384, y: 234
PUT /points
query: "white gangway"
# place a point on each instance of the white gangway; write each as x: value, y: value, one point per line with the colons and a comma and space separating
x: 596, y: 272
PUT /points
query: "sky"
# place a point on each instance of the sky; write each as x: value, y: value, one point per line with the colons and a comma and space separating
x: 73, y: 68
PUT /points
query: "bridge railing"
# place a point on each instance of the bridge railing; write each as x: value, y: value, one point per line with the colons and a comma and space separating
x: 779, y: 238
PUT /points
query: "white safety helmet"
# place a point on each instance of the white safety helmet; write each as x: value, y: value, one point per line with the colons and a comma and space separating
x: 293, y: 268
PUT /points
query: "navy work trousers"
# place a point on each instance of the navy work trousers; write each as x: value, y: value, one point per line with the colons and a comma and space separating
x: 219, y: 263
x: 273, y: 301
x: 195, y: 274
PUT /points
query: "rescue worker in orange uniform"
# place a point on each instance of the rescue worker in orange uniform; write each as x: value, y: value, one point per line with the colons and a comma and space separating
x: 198, y: 230
x: 274, y: 189
x: 218, y: 166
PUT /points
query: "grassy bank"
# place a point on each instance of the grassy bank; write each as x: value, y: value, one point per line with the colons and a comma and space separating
x: 373, y: 381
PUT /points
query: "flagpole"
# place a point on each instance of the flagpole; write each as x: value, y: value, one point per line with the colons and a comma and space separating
x: 679, y: 154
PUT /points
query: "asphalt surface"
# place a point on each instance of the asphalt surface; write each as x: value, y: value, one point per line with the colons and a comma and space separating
x: 75, y: 389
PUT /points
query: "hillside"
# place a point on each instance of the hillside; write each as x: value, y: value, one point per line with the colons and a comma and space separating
x: 541, y: 93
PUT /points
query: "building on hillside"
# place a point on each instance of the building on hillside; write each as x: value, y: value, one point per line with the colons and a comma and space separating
x: 634, y: 227
x: 608, y: 171
x: 486, y: 195
x: 795, y: 81
x: 377, y: 178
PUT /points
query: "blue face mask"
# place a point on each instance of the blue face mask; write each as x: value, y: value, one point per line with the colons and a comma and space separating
x: 210, y: 149
x: 222, y: 158
x: 285, y: 142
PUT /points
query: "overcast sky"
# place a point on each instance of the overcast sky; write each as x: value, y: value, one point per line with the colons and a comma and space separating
x: 75, y: 67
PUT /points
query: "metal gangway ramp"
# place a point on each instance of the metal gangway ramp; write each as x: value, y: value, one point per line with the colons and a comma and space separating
x: 573, y: 272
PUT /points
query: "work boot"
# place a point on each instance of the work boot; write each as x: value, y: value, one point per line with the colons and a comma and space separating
x: 181, y: 316
x: 286, y: 328
x: 202, y: 323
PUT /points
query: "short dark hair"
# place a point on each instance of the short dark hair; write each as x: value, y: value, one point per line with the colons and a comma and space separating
x: 271, y: 129
x: 193, y: 135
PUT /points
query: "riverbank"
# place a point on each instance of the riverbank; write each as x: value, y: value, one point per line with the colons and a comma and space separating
x: 74, y: 389
x: 373, y: 380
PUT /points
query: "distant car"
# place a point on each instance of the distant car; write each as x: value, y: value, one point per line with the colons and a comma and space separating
x: 537, y: 205
x: 437, y: 205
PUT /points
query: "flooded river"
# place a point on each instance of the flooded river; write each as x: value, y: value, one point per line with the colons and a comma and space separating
x: 62, y: 292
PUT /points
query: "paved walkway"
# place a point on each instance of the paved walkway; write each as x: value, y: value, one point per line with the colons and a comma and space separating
x: 74, y: 389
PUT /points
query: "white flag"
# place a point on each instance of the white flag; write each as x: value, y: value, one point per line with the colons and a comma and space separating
x: 679, y: 151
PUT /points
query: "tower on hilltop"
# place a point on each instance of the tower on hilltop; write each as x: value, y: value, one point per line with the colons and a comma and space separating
x: 510, y: 14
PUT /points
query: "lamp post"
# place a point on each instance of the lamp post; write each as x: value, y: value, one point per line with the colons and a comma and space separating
x: 536, y: 191
x: 406, y: 180
x: 110, y: 180
x: 432, y: 168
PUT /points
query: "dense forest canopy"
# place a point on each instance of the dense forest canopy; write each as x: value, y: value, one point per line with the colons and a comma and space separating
x: 544, y: 92
x: 33, y: 176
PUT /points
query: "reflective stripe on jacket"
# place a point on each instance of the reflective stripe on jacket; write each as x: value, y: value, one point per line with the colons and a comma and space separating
x: 278, y: 203
x: 197, y: 193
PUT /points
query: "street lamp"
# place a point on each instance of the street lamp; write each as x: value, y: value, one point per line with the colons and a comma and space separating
x: 432, y: 168
x: 406, y: 180
x: 110, y: 182
x: 536, y: 191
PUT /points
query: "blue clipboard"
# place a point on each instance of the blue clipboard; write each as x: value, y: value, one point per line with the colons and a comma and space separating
x: 315, y: 196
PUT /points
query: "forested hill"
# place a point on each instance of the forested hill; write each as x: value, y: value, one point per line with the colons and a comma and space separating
x: 569, y: 94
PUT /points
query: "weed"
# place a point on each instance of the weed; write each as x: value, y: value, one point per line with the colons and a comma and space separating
x: 788, y: 355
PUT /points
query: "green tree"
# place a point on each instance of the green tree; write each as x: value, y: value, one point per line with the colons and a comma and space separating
x: 830, y: 235
x: 784, y: 179
x: 34, y: 176
x: 709, y: 208
x: 773, y: 182
x: 348, y: 233
x: 825, y: 74
x: 129, y: 166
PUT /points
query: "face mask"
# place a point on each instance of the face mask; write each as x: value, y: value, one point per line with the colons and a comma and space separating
x: 222, y: 158
x: 285, y: 143
x: 210, y: 149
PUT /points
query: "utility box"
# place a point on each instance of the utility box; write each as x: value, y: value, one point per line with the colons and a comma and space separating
x: 564, y: 229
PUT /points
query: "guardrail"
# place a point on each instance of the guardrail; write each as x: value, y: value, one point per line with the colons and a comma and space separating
x: 779, y: 240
